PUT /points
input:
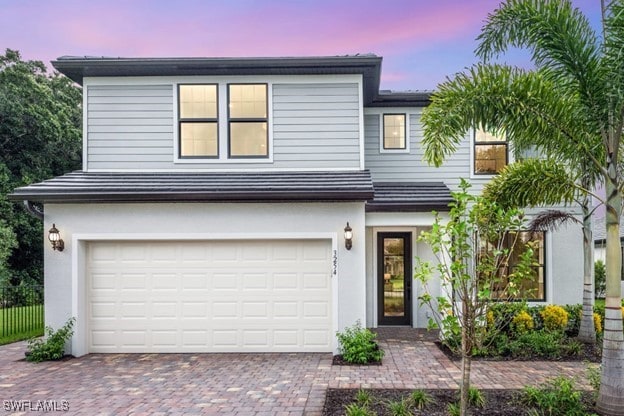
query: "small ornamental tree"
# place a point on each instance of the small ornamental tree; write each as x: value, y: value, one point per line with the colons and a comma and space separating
x: 473, y: 251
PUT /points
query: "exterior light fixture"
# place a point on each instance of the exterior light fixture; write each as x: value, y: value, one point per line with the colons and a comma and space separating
x: 55, y: 238
x: 348, y: 236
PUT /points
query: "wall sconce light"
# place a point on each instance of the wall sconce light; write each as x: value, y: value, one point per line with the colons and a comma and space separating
x: 55, y: 238
x: 348, y: 236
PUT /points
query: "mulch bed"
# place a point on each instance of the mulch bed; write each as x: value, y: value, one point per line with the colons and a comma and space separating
x: 498, y: 402
x: 589, y: 352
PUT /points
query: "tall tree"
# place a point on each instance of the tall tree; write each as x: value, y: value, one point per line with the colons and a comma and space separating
x: 572, y: 103
x: 40, y: 137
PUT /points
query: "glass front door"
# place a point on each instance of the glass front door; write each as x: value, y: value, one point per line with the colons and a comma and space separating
x: 394, y: 284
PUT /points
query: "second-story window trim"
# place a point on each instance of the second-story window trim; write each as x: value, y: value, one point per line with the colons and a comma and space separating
x: 198, y: 123
x: 252, y: 120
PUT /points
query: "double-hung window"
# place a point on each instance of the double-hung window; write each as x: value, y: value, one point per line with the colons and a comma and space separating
x: 248, y: 120
x: 490, y: 153
x: 198, y: 121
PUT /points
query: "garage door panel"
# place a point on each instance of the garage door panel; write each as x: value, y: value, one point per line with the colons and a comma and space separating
x: 209, y: 296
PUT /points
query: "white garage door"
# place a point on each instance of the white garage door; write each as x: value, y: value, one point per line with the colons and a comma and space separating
x: 209, y: 296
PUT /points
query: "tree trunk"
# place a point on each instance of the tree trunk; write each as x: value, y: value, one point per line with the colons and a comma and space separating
x: 587, y: 332
x: 465, y: 371
x: 611, y: 395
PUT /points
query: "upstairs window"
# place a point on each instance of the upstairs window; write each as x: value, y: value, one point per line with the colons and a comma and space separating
x: 490, y: 153
x: 394, y: 132
x: 198, y: 121
x: 248, y: 120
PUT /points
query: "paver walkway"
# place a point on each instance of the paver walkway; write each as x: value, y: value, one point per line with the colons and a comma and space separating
x: 244, y: 384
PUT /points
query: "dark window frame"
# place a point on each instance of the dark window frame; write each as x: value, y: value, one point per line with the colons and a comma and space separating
x: 231, y: 120
x: 476, y: 144
x: 206, y: 120
x: 383, y: 131
x: 541, y: 266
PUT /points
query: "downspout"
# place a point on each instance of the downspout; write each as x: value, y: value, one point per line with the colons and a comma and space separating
x: 33, y: 210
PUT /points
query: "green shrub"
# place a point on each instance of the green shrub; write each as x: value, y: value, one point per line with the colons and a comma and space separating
x: 593, y: 377
x: 358, y: 345
x: 597, y: 323
x: 453, y: 409
x: 555, y: 318
x: 363, y: 397
x: 399, y: 408
x: 421, y: 399
x: 52, y: 346
x: 575, y: 312
x: 522, y: 323
x: 358, y: 410
x: 600, y: 279
x: 503, y: 314
x: 547, y: 344
x: 557, y: 397
x: 476, y: 397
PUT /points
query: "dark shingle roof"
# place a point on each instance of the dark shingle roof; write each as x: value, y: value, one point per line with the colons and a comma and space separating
x: 201, y: 187
x: 402, y: 99
x: 409, y: 197
x: 368, y: 65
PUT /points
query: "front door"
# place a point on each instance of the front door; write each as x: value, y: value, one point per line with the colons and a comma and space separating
x: 394, y: 282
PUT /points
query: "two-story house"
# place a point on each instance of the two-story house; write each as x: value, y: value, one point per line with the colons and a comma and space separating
x: 252, y: 204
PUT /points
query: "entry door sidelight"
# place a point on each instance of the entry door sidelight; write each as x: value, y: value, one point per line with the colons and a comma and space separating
x: 394, y: 282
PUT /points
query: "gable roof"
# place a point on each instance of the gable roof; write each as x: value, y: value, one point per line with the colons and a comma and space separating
x: 368, y: 65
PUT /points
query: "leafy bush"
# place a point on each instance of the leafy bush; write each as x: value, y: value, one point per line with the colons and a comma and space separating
x: 358, y: 345
x: 598, y: 323
x: 575, y: 313
x: 358, y: 410
x: 593, y: 377
x: 555, y: 317
x: 547, y: 344
x: 363, y: 397
x: 476, y: 397
x: 453, y: 409
x: 52, y: 347
x: 557, y: 397
x: 600, y: 279
x: 522, y: 322
x: 421, y: 399
x: 399, y: 408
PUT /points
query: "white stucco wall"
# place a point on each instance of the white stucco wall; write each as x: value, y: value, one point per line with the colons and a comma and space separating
x: 64, y: 271
x: 564, y: 265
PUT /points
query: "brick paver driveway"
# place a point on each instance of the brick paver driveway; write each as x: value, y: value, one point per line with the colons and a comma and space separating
x: 243, y: 384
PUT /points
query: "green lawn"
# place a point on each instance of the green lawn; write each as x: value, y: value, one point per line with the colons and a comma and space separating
x: 20, y: 323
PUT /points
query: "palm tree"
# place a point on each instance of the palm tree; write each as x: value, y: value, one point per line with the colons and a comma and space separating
x: 572, y: 105
x: 535, y: 182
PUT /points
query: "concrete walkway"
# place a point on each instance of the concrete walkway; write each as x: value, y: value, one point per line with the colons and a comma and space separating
x: 243, y: 384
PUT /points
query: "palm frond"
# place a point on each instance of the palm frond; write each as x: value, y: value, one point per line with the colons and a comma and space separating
x: 613, y: 62
x: 532, y: 182
x: 551, y: 219
x: 562, y: 42
x: 525, y: 105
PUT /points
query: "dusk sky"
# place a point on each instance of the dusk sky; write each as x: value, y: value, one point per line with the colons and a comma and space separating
x: 421, y: 41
